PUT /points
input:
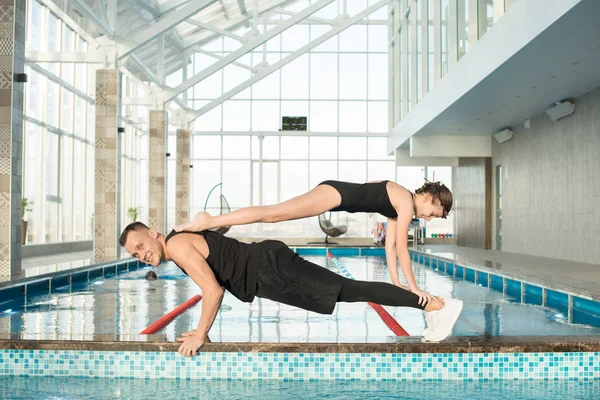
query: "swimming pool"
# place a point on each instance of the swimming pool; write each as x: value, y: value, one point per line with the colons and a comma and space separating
x: 59, y: 388
x: 123, y: 304
x: 103, y: 310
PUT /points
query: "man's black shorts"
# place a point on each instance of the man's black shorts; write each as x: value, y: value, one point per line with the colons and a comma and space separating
x: 285, y: 277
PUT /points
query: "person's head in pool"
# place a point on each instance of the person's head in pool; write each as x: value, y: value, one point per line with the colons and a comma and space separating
x: 432, y: 200
x: 144, y: 243
x: 151, y: 276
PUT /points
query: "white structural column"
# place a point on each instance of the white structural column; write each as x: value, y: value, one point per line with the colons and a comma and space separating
x: 424, y: 48
x: 405, y: 60
x: 396, y: 62
x: 452, y: 22
x: 158, y: 170
x: 414, y: 58
x: 437, y: 39
x: 498, y: 9
x: 182, y: 177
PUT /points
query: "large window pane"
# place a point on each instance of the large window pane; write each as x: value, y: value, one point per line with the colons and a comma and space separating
x: 209, y: 88
x: 378, y: 38
x: 323, y: 116
x: 381, y: 170
x: 80, y: 117
x: 66, y: 118
x: 328, y: 12
x: 294, y: 79
x: 34, y: 40
x: 323, y: 148
x: 268, y: 87
x: 34, y: 101
x: 294, y: 38
x: 79, y: 192
x: 353, y: 171
x: 206, y: 146
x: 204, y: 176
x: 294, y: 148
x: 270, y: 147
x: 378, y: 149
x: 354, y: 38
x: 330, y: 45
x: 236, y: 183
x: 236, y: 147
x: 353, y: 148
x: 323, y: 76
x: 234, y: 76
x: 411, y: 177
x: 210, y: 121
x: 265, y: 116
x: 294, y: 179
x: 353, y: 76
x: 378, y: 76
x: 53, y: 105
x: 51, y: 164
x: 378, y: 116
x: 294, y: 109
x: 236, y: 115
x: 322, y: 171
x: 171, y: 187
x: 66, y: 187
x: 353, y: 116
x: 33, y: 179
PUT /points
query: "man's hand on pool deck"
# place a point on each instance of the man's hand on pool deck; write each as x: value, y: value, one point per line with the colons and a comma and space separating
x: 191, y: 342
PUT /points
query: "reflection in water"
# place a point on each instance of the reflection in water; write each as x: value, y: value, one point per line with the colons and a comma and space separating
x: 127, y: 304
x: 97, y: 389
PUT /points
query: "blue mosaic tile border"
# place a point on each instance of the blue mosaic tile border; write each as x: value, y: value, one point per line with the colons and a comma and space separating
x: 301, y: 366
x: 576, y: 309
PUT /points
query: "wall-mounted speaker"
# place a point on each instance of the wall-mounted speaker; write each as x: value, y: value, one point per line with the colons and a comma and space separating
x: 503, y: 136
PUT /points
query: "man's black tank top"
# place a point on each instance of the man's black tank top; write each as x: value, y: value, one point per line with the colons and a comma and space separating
x: 363, y: 197
x: 235, y: 264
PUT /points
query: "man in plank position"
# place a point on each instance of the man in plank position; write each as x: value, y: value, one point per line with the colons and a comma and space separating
x: 268, y: 269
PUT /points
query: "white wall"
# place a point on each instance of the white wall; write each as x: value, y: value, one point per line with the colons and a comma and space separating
x: 551, y: 199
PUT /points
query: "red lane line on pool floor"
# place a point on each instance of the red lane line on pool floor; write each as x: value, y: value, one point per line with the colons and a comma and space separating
x: 168, y: 318
x: 384, y: 315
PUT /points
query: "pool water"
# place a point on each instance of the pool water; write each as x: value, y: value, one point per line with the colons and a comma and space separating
x: 34, y: 388
x: 127, y: 303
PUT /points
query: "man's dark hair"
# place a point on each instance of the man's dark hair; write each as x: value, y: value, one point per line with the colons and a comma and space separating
x: 134, y: 226
x: 151, y: 275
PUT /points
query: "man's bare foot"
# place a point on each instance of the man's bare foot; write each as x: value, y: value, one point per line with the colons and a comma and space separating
x: 201, y: 222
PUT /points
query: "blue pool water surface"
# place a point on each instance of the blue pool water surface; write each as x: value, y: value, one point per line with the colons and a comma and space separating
x: 126, y: 304
x: 33, y: 388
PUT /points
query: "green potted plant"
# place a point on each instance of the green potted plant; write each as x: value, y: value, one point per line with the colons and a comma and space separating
x: 133, y: 213
x: 25, y: 208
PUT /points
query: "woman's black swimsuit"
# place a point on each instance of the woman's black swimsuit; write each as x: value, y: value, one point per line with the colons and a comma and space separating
x: 365, y: 197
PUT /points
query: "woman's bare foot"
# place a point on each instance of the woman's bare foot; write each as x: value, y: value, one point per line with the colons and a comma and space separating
x: 201, y: 222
